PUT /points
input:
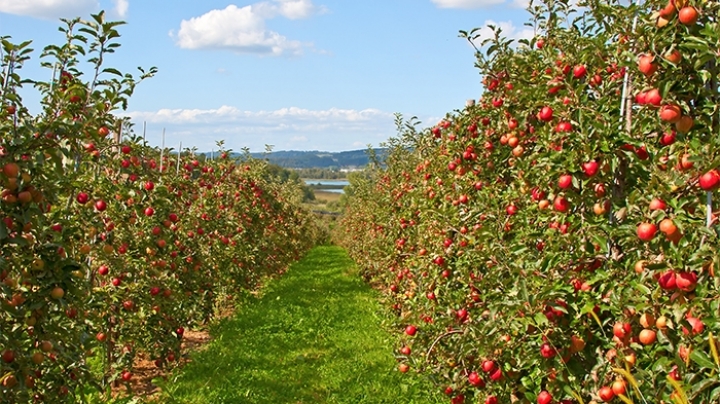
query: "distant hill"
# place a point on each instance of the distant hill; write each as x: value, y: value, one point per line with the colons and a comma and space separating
x: 319, y: 159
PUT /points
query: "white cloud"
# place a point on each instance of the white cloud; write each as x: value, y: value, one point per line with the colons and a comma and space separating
x: 335, y: 128
x: 49, y: 9
x: 509, y: 30
x: 227, y: 113
x: 466, y: 4
x: 297, y: 9
x: 521, y: 4
x: 121, y: 7
x: 242, y: 29
x: 474, y: 4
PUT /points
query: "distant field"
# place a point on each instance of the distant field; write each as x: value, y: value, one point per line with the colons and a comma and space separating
x: 327, y: 196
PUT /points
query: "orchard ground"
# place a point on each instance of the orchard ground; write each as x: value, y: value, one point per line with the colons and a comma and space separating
x: 313, y: 336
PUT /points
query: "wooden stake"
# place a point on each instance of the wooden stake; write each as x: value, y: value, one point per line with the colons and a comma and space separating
x: 708, y: 204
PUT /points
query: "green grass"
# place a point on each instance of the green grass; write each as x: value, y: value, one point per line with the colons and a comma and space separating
x: 314, y: 336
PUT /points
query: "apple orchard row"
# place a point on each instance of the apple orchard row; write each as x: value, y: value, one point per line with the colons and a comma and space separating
x: 556, y: 241
x: 110, y: 250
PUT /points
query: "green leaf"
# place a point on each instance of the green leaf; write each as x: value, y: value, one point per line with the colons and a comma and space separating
x: 702, y: 359
x: 540, y: 319
x: 642, y: 288
x: 112, y: 71
x: 3, y: 231
x: 702, y: 385
x: 715, y: 395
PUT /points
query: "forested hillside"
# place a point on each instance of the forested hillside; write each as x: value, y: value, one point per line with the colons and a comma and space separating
x: 319, y: 159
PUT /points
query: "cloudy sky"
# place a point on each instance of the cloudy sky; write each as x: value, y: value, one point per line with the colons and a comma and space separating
x: 296, y: 74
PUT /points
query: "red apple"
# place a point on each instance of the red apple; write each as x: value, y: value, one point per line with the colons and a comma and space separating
x: 8, y: 356
x: 475, y: 379
x: 646, y: 231
x: 561, y: 204
x: 100, y: 205
x: 546, y: 114
x: 657, y: 204
x: 688, y: 15
x: 622, y: 330
x: 599, y: 190
x: 684, y: 124
x: 82, y: 198
x: 579, y: 71
x: 686, y: 281
x: 537, y: 194
x: 606, y: 394
x: 668, y: 138
x: 544, y: 398
x: 565, y: 181
x: 591, y: 168
x: 668, y: 280
x: 710, y: 180
x: 653, y: 97
x: 646, y: 65
x: 563, y: 127
x: 670, y: 113
x: 547, y: 351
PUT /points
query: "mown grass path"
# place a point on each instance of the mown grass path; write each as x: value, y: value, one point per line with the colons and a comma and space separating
x: 313, y: 336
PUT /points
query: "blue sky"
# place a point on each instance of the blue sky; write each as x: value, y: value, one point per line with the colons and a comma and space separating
x: 297, y: 74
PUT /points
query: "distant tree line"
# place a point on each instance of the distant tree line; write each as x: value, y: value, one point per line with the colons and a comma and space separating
x: 291, y: 176
x: 312, y: 159
x: 317, y: 173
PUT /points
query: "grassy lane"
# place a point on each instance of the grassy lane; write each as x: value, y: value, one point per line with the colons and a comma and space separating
x: 314, y: 336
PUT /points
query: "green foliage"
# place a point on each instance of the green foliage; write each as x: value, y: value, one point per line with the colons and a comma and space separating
x: 477, y: 243
x: 332, y: 161
x: 108, y: 247
x: 321, y: 173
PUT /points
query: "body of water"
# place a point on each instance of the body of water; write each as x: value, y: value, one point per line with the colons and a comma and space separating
x: 334, y: 186
x: 339, y: 183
